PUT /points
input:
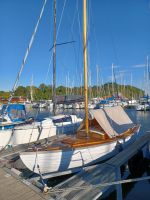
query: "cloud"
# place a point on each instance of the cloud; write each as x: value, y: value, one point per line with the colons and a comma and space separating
x: 139, y: 66
x: 124, y: 71
x: 116, y: 66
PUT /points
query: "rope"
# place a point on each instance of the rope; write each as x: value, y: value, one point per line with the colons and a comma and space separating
x: 98, y: 185
x: 45, y: 187
x: 61, y: 18
x: 26, y: 55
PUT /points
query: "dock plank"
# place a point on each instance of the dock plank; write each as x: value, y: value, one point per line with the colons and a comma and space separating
x: 12, y: 188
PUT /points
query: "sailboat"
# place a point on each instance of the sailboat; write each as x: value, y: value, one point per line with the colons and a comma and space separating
x: 16, y: 128
x: 97, y: 137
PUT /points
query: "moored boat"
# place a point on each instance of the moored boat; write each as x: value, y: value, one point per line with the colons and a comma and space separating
x: 108, y: 128
x: 16, y: 128
x: 143, y: 107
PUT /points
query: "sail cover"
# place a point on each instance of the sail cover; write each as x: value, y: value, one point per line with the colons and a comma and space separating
x: 113, y: 120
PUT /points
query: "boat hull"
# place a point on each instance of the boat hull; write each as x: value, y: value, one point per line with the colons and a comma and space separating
x: 62, y: 160
x: 5, y: 136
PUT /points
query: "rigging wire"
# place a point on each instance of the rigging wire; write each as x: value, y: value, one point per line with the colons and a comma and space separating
x: 26, y: 55
x: 75, y: 50
x: 80, y: 36
x: 57, y: 32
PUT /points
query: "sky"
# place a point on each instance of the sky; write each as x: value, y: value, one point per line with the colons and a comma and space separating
x: 118, y: 33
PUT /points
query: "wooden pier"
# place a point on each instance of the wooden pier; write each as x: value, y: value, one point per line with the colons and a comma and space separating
x: 87, y: 184
x: 13, y: 188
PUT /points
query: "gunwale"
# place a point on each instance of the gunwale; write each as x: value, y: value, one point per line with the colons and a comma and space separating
x: 80, y: 141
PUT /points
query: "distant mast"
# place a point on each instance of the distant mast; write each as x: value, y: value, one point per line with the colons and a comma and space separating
x: 54, y: 60
x: 31, y: 89
x: 112, y: 79
x: 97, y: 80
x: 85, y: 66
x: 147, y: 76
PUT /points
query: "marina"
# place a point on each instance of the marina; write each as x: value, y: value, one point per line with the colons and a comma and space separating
x: 79, y: 128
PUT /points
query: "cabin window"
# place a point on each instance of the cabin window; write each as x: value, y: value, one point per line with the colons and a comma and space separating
x: 17, y: 114
x: 61, y: 120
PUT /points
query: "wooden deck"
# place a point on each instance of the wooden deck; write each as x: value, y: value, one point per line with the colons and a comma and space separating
x: 93, y: 175
x: 13, y: 188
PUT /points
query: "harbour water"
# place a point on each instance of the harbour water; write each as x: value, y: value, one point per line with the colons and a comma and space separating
x: 137, y: 190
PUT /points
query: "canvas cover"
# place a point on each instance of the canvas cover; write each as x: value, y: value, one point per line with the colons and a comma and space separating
x: 16, y: 112
x: 113, y: 120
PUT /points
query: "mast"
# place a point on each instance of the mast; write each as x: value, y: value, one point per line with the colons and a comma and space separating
x: 131, y: 87
x: 97, y: 77
x: 85, y: 66
x: 112, y: 79
x: 66, y: 85
x: 54, y: 61
x: 81, y: 83
x: 31, y: 89
x: 147, y: 75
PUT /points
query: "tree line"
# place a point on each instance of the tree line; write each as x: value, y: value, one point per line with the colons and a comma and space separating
x: 45, y: 92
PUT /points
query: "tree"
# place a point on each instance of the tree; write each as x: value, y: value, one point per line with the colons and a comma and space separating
x: 21, y: 91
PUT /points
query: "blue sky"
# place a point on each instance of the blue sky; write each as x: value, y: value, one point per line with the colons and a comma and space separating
x: 119, y: 33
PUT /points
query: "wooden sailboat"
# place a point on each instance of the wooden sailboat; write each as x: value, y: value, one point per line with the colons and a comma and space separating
x: 97, y: 138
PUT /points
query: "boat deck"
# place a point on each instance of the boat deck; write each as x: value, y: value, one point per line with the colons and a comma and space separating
x: 82, y: 141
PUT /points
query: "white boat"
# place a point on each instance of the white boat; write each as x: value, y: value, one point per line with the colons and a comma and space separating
x: 43, y: 105
x: 14, y: 117
x: 76, y: 106
x: 15, y: 132
x: 48, y: 127
x: 112, y: 127
x: 91, y: 106
x: 143, y: 107
x: 40, y: 105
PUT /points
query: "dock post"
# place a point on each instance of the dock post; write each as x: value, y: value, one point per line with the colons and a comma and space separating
x: 147, y: 152
x: 118, y: 186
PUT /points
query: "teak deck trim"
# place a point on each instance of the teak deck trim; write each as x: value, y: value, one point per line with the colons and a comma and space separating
x: 79, y: 141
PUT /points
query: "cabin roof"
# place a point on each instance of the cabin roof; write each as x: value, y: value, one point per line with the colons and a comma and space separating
x: 59, y: 117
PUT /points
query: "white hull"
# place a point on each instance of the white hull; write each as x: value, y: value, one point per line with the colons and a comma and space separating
x: 29, y: 133
x: 143, y: 107
x: 62, y: 160
x: 5, y: 136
